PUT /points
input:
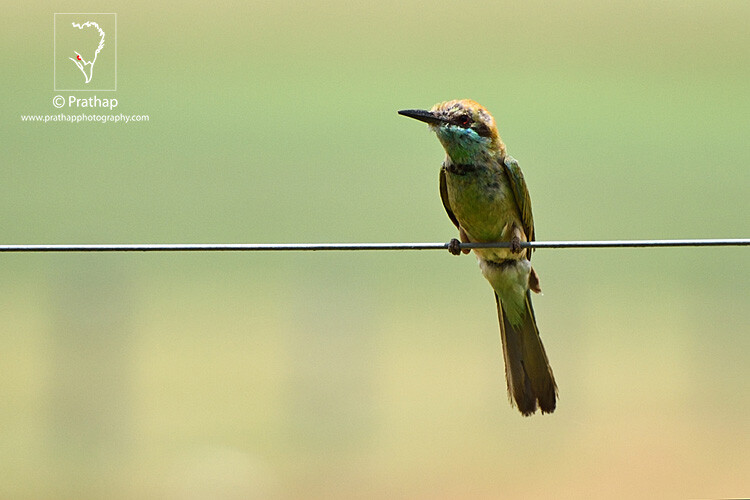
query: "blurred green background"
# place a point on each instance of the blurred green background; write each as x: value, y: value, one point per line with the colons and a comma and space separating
x: 374, y: 374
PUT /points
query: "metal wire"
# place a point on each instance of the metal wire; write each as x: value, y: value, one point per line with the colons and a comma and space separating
x: 277, y: 247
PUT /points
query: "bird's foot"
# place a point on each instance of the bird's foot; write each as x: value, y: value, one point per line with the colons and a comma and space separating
x: 454, y: 247
x: 515, y: 245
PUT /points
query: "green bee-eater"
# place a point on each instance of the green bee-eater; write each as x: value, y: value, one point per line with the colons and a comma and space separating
x: 485, y: 195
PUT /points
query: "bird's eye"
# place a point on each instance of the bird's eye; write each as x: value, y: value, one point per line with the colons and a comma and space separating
x: 464, y: 120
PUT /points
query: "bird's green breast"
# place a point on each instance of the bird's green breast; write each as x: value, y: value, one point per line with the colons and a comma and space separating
x: 481, y: 200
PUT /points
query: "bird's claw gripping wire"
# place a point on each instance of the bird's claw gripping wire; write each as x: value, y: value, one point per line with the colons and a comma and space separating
x: 454, y: 246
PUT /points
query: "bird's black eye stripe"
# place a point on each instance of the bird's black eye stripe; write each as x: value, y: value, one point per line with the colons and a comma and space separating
x: 482, y: 130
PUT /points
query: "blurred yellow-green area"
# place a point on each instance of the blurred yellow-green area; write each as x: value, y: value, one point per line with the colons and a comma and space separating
x: 373, y: 374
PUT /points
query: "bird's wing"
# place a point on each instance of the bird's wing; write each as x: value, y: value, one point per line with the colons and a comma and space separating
x: 521, y: 194
x: 444, y: 196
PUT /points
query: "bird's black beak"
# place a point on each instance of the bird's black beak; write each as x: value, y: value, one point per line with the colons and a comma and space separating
x: 422, y: 115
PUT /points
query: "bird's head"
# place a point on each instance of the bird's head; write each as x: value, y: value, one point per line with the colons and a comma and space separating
x: 465, y: 129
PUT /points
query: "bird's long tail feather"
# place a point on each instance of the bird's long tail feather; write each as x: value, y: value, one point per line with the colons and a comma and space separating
x: 527, y: 370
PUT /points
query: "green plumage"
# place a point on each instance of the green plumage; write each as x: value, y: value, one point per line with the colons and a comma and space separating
x: 485, y: 195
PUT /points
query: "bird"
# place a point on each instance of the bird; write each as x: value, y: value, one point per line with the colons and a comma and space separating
x: 485, y: 195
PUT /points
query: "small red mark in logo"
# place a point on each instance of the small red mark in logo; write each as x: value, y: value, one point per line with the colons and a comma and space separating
x: 78, y: 57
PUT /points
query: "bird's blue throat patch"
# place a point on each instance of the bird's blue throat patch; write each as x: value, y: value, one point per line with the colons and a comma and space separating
x: 462, y: 144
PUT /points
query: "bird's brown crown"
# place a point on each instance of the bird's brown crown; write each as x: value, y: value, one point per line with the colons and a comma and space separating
x: 468, y: 114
